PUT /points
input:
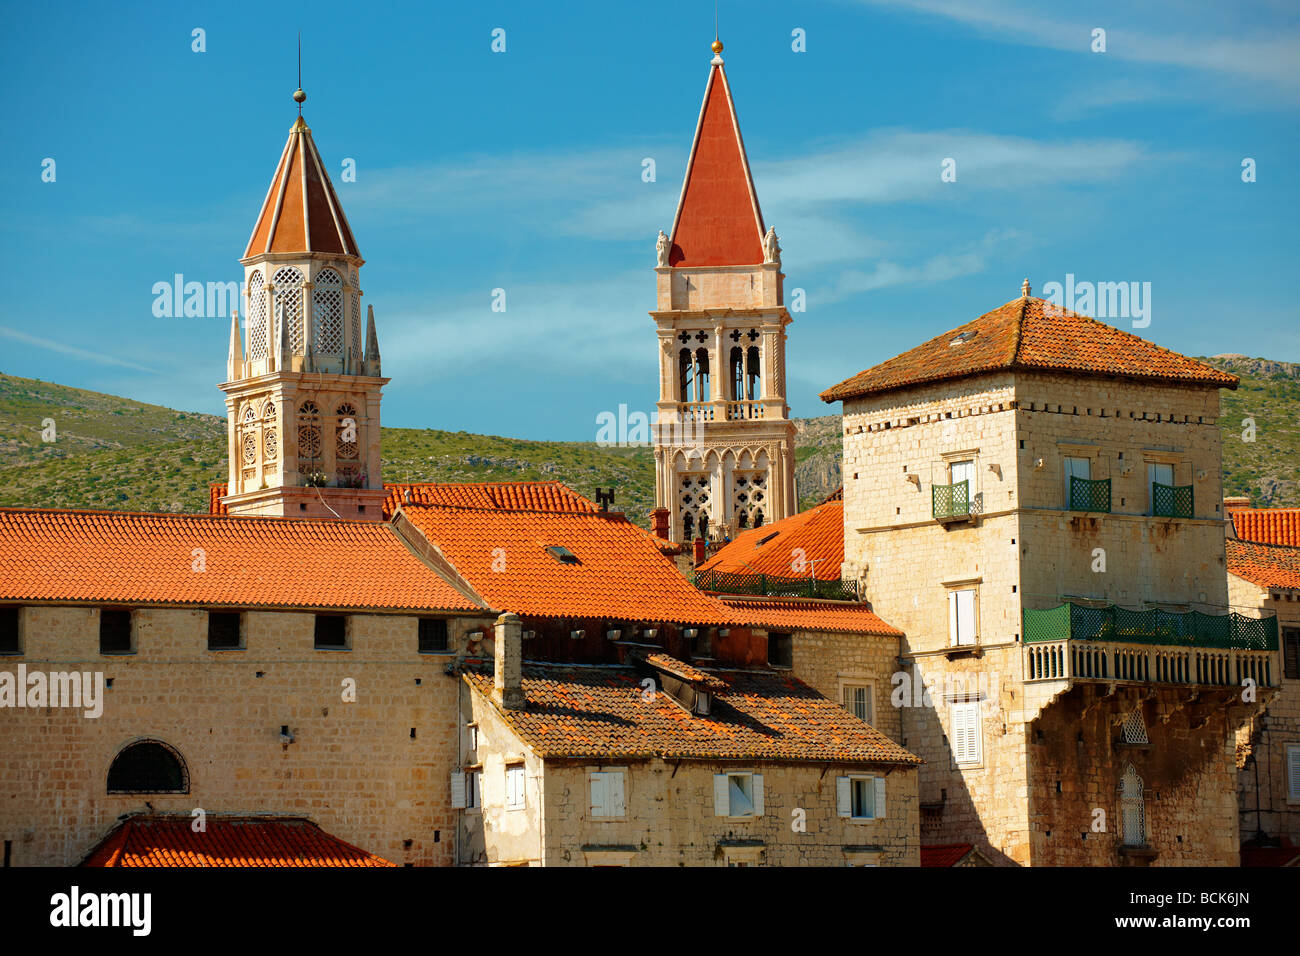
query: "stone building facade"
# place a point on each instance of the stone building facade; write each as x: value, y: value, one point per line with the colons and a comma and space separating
x: 1067, y: 744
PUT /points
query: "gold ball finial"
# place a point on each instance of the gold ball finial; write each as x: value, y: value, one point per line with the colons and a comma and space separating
x: 299, y: 96
x: 717, y: 46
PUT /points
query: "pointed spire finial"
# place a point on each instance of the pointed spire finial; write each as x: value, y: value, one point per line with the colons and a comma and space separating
x: 716, y: 46
x: 235, y: 358
x: 1024, y: 288
x: 299, y: 96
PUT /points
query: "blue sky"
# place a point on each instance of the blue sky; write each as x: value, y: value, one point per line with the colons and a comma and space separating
x: 522, y: 170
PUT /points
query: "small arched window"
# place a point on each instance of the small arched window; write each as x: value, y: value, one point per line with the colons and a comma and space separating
x: 148, y: 766
x: 737, y: 374
x: 685, y: 375
x: 327, y: 312
x: 751, y: 385
x: 308, y: 436
x: 702, y: 375
x: 1133, y: 819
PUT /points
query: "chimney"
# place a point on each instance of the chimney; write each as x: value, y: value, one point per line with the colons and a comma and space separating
x: 659, y: 523
x: 508, y: 691
x: 699, y: 551
x: 1236, y: 504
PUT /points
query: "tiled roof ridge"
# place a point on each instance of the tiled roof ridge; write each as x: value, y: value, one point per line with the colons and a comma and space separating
x: 582, y: 513
x: 188, y: 515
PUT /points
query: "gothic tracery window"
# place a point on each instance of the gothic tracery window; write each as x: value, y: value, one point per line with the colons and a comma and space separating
x: 257, y: 332
x: 309, y: 446
x: 693, y: 505
x: 749, y: 498
x: 288, y: 306
x: 327, y: 312
x: 347, y: 432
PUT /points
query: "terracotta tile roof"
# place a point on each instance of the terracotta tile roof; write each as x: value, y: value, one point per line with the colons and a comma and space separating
x: 301, y: 212
x: 495, y: 496
x: 815, y: 535
x: 806, y: 614
x: 1267, y: 525
x: 121, y: 557
x: 1267, y: 565
x: 1022, y: 334
x: 718, y: 221
x: 217, y: 491
x: 169, y: 840
x: 620, y: 573
x: 686, y: 672
x: 946, y: 854
x: 578, y: 711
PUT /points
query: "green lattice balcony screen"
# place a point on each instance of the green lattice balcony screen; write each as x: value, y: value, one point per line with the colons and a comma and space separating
x: 773, y: 586
x: 1152, y: 626
x: 951, y: 501
x: 1171, y: 501
x: 1090, y: 494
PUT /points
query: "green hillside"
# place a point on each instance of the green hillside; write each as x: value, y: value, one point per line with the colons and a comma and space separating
x: 111, y: 452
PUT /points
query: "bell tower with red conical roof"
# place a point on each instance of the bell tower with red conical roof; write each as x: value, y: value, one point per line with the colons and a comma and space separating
x: 724, y: 443
x: 302, y: 393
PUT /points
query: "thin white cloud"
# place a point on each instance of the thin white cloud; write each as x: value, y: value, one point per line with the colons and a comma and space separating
x: 1195, y: 36
x: 99, y: 358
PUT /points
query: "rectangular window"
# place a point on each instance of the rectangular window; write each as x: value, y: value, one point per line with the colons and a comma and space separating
x: 780, y: 650
x: 961, y: 617
x: 473, y: 789
x: 858, y: 702
x: 9, y: 631
x: 115, y: 632
x: 1291, y: 652
x: 607, y: 787
x: 738, y: 794
x: 1157, y: 473
x: 1293, y: 772
x: 1075, y: 468
x: 433, y: 635
x: 515, y: 787
x: 223, y: 631
x: 860, y: 797
x: 331, y: 632
x: 967, y: 733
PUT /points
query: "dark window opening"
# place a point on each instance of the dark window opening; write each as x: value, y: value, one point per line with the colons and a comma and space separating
x: 752, y: 377
x: 433, y: 635
x: 115, y: 632
x: 702, y: 374
x: 685, y: 374
x: 780, y: 650
x: 9, y: 631
x: 1291, y: 652
x: 688, y: 528
x: 331, y: 631
x: 223, y: 631
x: 562, y: 554
x: 148, y: 767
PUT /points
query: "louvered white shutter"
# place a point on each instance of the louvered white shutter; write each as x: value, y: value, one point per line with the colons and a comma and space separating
x: 596, y: 781
x: 457, y: 790
x: 843, y: 797
x: 758, y: 794
x: 966, y: 732
x: 721, y: 799
x: 614, y: 801
x: 952, y: 618
x: 1293, y: 770
x: 880, y: 798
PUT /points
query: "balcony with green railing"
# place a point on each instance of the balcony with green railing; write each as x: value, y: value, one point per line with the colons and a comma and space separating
x: 1074, y: 642
x: 1172, y: 501
x: 1090, y: 494
x: 951, y: 502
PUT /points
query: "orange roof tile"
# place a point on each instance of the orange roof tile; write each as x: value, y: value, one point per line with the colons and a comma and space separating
x: 301, y: 212
x: 806, y: 614
x: 1267, y: 525
x: 1267, y: 565
x: 217, y: 491
x: 810, y: 541
x: 207, y: 560
x: 169, y: 840
x: 1032, y: 334
x: 620, y: 573
x: 945, y: 854
x: 576, y: 711
x: 718, y: 222
x: 493, y: 495
x: 671, y: 665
